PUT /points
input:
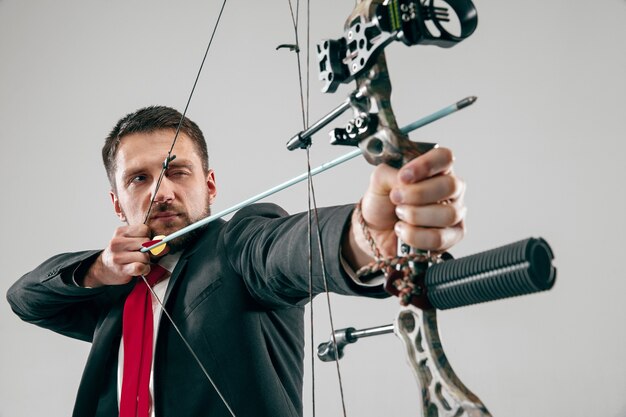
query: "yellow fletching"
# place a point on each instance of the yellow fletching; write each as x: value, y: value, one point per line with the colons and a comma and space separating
x: 157, y: 250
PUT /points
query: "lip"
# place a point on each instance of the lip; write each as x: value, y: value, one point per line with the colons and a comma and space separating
x: 165, y: 215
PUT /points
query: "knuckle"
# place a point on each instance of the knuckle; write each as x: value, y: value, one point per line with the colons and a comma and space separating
x: 461, y: 229
x: 145, y: 258
x: 452, y: 185
x: 116, y: 258
x: 138, y: 230
x: 459, y: 186
x: 446, y: 154
x: 411, y: 216
x: 408, y: 216
x: 457, y: 214
x: 142, y: 269
x: 428, y: 166
x: 116, y: 243
x: 437, y: 240
x: 120, y: 231
x: 400, y: 230
x: 379, y: 177
x: 419, y: 195
x: 452, y: 215
x: 131, y: 270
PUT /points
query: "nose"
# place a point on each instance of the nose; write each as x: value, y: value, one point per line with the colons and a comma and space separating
x: 165, y: 192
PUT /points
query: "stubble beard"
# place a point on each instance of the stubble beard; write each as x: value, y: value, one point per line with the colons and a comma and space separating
x: 181, y: 242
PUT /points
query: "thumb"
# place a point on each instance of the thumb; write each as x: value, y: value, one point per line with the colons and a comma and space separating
x: 378, y: 210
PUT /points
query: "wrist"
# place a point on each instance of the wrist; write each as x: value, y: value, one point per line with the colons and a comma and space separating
x: 87, y: 276
x: 358, y: 250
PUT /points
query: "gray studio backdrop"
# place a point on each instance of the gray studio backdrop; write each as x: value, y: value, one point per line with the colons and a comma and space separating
x: 541, y: 151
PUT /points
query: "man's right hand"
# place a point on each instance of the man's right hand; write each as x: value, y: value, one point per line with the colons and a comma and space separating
x: 121, y: 260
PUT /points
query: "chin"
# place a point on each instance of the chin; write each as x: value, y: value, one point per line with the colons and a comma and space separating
x: 181, y: 242
x: 161, y: 228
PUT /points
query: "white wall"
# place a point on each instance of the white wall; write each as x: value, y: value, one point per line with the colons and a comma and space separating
x: 541, y: 151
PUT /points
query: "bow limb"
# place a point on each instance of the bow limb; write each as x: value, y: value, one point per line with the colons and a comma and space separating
x: 442, y: 392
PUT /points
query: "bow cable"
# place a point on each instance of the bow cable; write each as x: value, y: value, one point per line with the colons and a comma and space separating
x: 305, y: 122
x: 312, y: 206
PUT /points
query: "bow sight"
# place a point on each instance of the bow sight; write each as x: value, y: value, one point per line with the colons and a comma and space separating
x: 372, y: 26
x: 411, y: 21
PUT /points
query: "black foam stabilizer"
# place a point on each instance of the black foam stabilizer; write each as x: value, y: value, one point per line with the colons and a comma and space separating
x: 515, y: 269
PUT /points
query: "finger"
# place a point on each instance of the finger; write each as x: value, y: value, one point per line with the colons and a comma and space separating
x: 136, y: 269
x: 122, y: 259
x: 429, y: 191
x: 434, y: 162
x: 136, y: 230
x: 378, y: 211
x: 382, y: 180
x: 433, y: 215
x: 433, y: 239
x: 127, y: 244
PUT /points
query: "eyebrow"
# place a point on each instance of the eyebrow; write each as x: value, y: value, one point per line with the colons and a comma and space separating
x: 180, y: 163
x: 183, y: 163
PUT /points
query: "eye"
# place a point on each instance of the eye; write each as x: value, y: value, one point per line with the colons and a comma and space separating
x: 138, y: 179
x: 173, y: 173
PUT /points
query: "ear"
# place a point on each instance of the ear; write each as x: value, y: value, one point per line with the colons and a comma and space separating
x: 210, y: 182
x: 116, y: 206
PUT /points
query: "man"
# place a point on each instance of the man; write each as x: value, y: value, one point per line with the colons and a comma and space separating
x: 235, y: 289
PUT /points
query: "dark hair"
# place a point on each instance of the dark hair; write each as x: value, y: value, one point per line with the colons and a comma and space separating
x: 146, y: 120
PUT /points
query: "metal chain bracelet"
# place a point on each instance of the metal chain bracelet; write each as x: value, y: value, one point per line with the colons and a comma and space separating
x: 380, y: 263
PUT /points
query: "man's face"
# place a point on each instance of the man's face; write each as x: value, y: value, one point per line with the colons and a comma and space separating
x: 185, y: 193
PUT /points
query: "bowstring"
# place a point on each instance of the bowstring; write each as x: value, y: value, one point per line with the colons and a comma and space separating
x: 312, y: 213
x: 189, y: 348
x: 182, y: 118
x: 164, y: 168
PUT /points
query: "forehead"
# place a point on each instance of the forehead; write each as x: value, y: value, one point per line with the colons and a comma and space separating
x: 148, y: 149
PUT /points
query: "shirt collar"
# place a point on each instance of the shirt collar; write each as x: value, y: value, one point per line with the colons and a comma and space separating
x: 169, y: 261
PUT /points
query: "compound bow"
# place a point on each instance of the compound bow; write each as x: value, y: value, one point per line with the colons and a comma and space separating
x: 424, y: 283
x: 515, y: 269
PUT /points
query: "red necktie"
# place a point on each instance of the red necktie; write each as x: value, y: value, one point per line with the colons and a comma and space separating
x: 137, y: 333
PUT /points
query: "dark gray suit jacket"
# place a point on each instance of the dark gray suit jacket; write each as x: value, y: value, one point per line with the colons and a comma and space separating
x: 237, y: 294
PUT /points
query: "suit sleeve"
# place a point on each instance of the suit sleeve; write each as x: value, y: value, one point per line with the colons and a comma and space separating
x: 270, y: 250
x: 48, y: 297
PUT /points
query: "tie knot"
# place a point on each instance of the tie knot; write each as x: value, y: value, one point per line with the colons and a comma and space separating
x: 156, y: 274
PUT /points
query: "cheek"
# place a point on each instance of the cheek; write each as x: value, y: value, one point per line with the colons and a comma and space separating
x: 200, y: 204
x: 131, y: 210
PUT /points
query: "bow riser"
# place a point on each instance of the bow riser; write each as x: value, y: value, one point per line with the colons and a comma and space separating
x: 388, y: 145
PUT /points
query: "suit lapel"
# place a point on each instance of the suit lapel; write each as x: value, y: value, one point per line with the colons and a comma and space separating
x: 208, y: 234
x: 178, y: 271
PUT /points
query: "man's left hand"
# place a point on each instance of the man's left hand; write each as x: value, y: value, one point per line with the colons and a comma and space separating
x: 421, y: 203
